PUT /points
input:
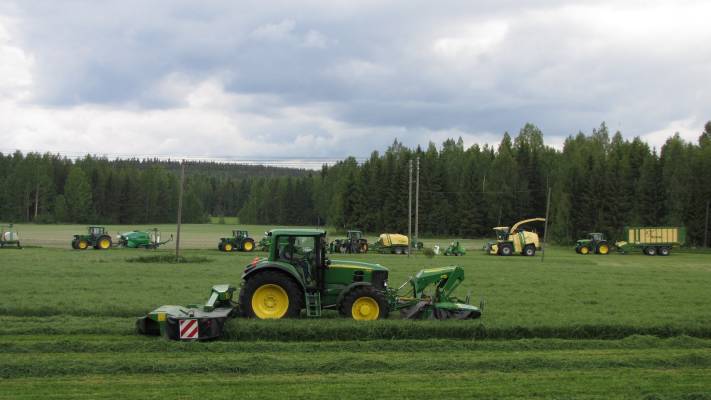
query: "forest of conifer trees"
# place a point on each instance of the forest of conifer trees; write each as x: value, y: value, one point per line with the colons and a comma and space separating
x: 599, y: 182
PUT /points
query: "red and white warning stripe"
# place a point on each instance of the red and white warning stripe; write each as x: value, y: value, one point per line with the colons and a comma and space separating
x: 188, y: 329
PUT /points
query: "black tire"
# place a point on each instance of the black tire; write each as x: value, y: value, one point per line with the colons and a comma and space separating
x: 364, y: 247
x: 664, y: 251
x: 75, y: 244
x: 650, y: 251
x: 529, y: 250
x: 364, y: 291
x: 219, y: 246
x: 398, y: 250
x: 577, y: 249
x: 252, y: 283
x: 506, y: 250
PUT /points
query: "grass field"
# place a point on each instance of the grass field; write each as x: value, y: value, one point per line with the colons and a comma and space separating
x: 617, y: 326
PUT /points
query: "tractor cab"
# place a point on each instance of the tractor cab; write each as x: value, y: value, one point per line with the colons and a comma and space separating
x: 240, y: 234
x: 502, y: 232
x: 354, y: 235
x: 96, y: 231
x: 304, y: 250
x: 596, y: 236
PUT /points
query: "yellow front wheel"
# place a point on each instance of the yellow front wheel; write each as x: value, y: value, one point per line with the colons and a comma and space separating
x: 603, y: 249
x: 365, y: 303
x: 584, y: 250
x: 270, y: 301
x: 83, y: 245
x: 227, y: 247
x: 104, y: 243
x: 365, y: 309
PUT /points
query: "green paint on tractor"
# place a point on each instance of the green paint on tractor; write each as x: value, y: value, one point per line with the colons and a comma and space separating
x: 354, y: 242
x: 240, y: 241
x: 297, y: 277
x: 595, y: 243
x: 96, y: 237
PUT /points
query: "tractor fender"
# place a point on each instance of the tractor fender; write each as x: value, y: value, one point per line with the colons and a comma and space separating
x: 348, y: 288
x: 287, y: 269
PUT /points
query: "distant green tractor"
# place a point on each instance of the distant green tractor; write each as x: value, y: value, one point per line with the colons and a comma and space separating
x: 240, y: 241
x: 9, y: 237
x: 454, y: 249
x: 353, y: 243
x: 594, y: 243
x: 96, y: 237
x: 142, y: 239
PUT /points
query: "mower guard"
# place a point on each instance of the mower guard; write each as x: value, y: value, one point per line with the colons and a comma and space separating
x: 192, y: 322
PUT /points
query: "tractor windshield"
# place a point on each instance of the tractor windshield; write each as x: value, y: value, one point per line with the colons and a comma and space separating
x: 299, y: 252
x: 354, y: 235
x: 96, y: 230
x: 502, y: 233
x: 239, y: 234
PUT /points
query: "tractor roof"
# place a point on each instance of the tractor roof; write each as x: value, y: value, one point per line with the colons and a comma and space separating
x: 501, y: 228
x: 297, y: 232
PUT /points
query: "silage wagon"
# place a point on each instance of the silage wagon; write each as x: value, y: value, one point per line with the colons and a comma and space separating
x: 652, y: 240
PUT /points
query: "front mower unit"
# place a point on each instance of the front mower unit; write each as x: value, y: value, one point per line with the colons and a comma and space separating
x: 192, y: 322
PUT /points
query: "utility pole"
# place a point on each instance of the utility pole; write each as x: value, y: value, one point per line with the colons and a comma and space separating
x: 706, y: 226
x: 417, y: 202
x: 180, y: 209
x: 545, y: 232
x: 409, y: 206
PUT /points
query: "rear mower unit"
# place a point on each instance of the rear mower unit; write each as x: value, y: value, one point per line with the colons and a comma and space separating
x: 454, y: 249
x: 297, y: 277
x: 240, y: 241
x: 96, y: 237
x: 594, y: 243
x: 9, y: 237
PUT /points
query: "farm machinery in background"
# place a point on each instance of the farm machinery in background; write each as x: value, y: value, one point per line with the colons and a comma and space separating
x: 454, y: 249
x: 99, y: 238
x: 297, y: 277
x: 96, y: 237
x: 391, y: 243
x: 652, y: 240
x: 240, y: 241
x: 594, y: 243
x: 265, y: 242
x: 353, y: 243
x: 9, y: 237
x: 516, y: 240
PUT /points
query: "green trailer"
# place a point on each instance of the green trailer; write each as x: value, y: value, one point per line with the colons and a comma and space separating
x: 9, y: 237
x: 297, y: 278
x: 240, y: 241
x: 149, y: 239
x: 652, y: 240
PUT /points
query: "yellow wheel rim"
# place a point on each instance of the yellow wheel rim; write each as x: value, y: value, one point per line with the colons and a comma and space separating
x: 83, y: 244
x: 248, y: 246
x: 584, y: 250
x: 104, y: 244
x: 270, y: 301
x: 604, y: 249
x: 365, y: 309
x: 228, y: 247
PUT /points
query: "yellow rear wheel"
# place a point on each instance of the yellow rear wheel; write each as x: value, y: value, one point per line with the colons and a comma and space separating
x: 603, y: 249
x: 228, y: 247
x: 104, y: 243
x: 248, y: 246
x: 365, y: 309
x: 270, y: 301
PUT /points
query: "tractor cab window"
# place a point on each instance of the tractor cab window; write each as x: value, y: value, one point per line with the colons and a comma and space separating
x: 596, y: 236
x: 96, y: 230
x: 299, y: 252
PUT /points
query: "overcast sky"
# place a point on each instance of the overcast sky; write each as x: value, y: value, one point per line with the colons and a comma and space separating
x: 331, y: 78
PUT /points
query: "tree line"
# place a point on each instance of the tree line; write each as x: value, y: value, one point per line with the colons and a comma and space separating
x: 599, y: 182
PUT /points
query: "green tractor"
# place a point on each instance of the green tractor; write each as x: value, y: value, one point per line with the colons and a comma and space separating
x: 240, y: 241
x: 9, y: 237
x: 297, y: 277
x: 150, y: 239
x: 96, y: 237
x: 454, y: 249
x: 353, y: 243
x: 594, y: 243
